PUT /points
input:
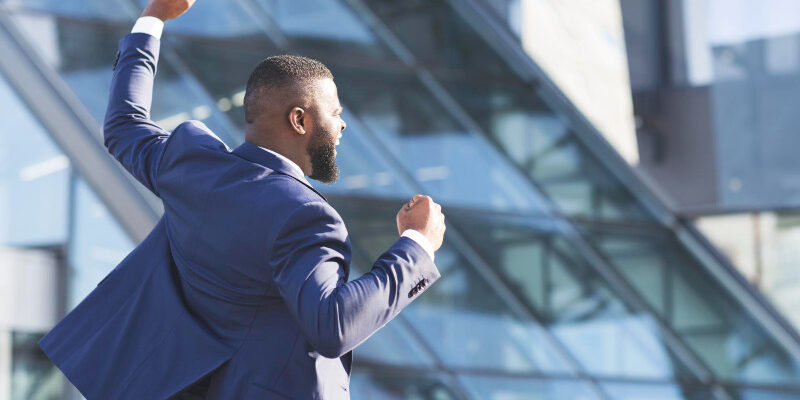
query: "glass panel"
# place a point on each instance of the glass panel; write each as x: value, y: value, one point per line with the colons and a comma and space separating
x: 466, y: 323
x: 761, y: 394
x: 578, y: 184
x: 399, y: 385
x: 98, y: 244
x: 83, y: 55
x: 498, y: 388
x: 515, y: 117
x: 206, y: 58
x: 33, y: 376
x: 213, y: 18
x: 715, y: 326
x: 362, y: 170
x: 120, y: 10
x: 463, y: 320
x: 657, y: 391
x: 34, y: 178
x: 331, y: 21
x: 449, y: 162
x: 393, y: 344
x: 572, y: 300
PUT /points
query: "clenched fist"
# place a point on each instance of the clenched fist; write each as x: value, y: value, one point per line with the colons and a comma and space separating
x: 167, y: 9
x: 424, y: 216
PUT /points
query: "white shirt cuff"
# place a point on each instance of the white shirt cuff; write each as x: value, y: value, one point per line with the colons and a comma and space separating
x: 421, y: 239
x: 149, y: 25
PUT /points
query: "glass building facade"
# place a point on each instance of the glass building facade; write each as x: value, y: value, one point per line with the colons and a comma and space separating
x: 563, y: 277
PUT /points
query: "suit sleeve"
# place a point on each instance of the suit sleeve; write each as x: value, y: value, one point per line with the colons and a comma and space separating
x: 309, y: 260
x: 129, y: 134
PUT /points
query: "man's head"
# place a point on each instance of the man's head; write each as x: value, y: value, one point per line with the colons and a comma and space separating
x: 291, y: 106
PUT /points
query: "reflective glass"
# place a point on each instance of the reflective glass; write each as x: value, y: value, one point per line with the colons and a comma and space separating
x: 573, y: 301
x: 222, y: 67
x: 393, y: 345
x: 468, y: 326
x: 463, y: 320
x: 33, y: 376
x: 500, y: 388
x: 120, y: 10
x: 657, y: 391
x: 327, y: 27
x: 34, y: 178
x: 83, y: 55
x: 508, y: 109
x: 446, y: 160
x: 362, y: 169
x: 330, y: 21
x: 400, y: 385
x: 715, y: 327
x: 213, y: 18
x: 761, y: 394
x: 98, y: 244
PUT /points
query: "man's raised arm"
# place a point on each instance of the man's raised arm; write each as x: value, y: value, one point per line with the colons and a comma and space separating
x: 130, y: 136
x: 308, y: 264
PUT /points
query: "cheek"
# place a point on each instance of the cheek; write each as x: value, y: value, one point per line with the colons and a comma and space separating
x: 334, y: 127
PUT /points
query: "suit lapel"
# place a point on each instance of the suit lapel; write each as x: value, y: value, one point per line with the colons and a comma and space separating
x: 253, y: 153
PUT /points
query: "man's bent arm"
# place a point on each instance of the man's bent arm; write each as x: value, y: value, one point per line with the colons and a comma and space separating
x: 308, y: 269
x: 129, y: 134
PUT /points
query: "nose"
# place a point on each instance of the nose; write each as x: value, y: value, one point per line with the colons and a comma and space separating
x: 344, y: 125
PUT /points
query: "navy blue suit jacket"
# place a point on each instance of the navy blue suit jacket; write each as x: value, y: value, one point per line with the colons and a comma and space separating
x: 242, y: 282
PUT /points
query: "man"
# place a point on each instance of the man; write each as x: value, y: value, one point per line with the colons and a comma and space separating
x: 241, y: 290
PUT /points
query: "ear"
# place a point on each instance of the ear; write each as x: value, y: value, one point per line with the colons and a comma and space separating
x: 297, y: 120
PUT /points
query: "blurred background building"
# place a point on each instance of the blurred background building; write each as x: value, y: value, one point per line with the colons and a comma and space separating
x: 716, y: 85
x: 573, y: 145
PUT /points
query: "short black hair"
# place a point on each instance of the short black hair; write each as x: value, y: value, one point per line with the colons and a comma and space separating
x: 277, y: 71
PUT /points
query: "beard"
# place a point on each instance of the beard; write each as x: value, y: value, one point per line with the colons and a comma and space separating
x: 321, y: 147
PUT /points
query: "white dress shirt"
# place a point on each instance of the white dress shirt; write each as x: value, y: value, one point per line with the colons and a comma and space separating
x: 154, y: 26
x: 149, y: 25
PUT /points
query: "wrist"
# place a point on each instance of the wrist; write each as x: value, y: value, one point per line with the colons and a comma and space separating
x: 153, y: 12
x: 420, y: 239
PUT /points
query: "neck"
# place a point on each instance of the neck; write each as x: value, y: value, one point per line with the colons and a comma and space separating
x: 288, y: 150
